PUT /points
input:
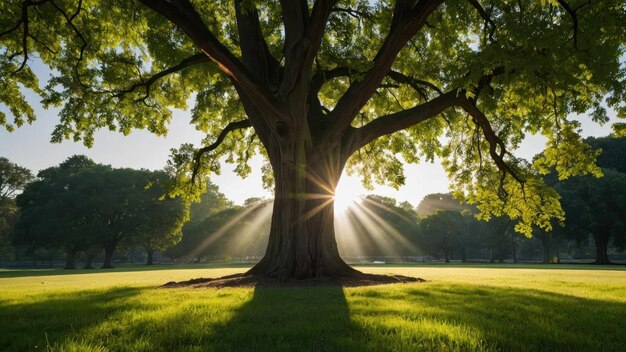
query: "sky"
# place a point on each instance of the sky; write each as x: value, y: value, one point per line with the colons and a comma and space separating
x: 29, y: 146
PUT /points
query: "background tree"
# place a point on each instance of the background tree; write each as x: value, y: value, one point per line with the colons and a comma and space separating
x: 318, y: 86
x: 13, y: 179
x: 433, y: 202
x: 612, y: 156
x: 9, y: 214
x: 54, y: 210
x: 163, y: 217
x: 598, y: 207
x: 442, y: 233
x: 79, y: 205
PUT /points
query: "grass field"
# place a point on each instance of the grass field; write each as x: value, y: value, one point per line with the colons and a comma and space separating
x: 460, y: 308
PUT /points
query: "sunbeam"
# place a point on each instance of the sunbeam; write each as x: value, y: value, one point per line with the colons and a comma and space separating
x: 211, y: 238
x: 248, y: 237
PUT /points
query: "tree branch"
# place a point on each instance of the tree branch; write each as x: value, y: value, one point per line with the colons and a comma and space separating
x: 190, y: 61
x: 23, y: 21
x: 220, y: 138
x: 254, y: 51
x: 183, y: 15
x: 408, y: 18
x: 485, y: 16
x: 573, y: 14
x: 497, y: 149
x: 413, y: 82
x: 384, y: 125
x: 352, y: 12
x: 303, y: 37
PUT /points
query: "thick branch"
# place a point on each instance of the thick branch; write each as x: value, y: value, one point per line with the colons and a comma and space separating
x: 182, y: 14
x: 303, y: 37
x: 391, y: 123
x: 254, y: 51
x: 407, y: 20
x: 192, y: 60
x: 497, y: 149
x: 220, y: 138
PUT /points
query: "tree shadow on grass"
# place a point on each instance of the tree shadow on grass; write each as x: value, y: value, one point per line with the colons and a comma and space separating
x: 488, y: 318
x: 266, y: 319
x: 402, y: 317
x: 292, y: 319
x: 34, y: 324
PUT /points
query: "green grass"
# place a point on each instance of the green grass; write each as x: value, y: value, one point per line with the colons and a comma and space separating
x: 461, y: 308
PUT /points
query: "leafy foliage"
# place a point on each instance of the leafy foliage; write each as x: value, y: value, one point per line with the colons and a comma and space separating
x: 507, y: 69
x: 80, y: 204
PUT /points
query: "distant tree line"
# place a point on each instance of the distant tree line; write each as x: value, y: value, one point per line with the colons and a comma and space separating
x: 88, y: 211
x: 83, y: 207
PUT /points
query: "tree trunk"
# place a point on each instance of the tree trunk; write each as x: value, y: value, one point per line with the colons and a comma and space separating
x: 302, y: 236
x: 602, y: 256
x: 463, y: 256
x: 545, y: 241
x: 514, y: 247
x: 89, y: 257
x: 70, y: 259
x: 108, y: 256
x: 150, y: 253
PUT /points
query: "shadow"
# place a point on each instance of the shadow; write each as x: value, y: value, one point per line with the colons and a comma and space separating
x: 468, y: 318
x: 292, y: 319
x: 401, y: 317
x: 46, y: 319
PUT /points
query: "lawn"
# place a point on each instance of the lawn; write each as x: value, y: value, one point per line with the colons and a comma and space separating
x: 460, y: 308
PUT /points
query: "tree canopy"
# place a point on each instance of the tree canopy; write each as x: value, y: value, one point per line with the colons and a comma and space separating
x: 319, y: 86
x: 80, y: 204
x: 13, y: 178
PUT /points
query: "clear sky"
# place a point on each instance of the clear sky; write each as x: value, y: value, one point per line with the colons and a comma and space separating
x: 29, y: 146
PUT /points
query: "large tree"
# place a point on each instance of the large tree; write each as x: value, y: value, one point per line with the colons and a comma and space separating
x: 597, y: 207
x: 318, y: 86
x: 56, y: 210
x: 163, y: 217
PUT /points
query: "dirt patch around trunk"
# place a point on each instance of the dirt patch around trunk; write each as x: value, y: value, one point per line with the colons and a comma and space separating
x: 243, y: 280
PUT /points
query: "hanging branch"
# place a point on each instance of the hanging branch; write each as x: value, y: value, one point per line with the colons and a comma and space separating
x: 220, y: 138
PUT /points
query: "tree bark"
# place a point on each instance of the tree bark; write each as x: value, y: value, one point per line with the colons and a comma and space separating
x: 150, y: 253
x: 602, y: 256
x: 514, y: 246
x: 109, y: 248
x: 70, y: 259
x: 545, y: 241
x: 302, y: 236
x: 89, y: 260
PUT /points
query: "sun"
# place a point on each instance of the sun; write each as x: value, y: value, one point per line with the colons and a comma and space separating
x: 347, y: 195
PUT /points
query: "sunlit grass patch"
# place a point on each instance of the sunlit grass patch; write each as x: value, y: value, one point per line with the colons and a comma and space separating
x: 458, y: 309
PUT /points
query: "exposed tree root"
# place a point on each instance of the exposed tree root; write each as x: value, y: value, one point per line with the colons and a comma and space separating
x: 246, y: 280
